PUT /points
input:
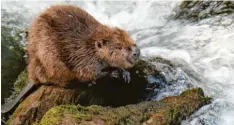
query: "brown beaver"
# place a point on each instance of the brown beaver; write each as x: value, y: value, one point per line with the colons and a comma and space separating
x: 66, y: 43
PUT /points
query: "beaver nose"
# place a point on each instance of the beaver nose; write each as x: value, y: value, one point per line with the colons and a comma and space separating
x: 136, y: 52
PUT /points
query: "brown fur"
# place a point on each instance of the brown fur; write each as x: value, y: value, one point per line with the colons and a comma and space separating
x: 62, y: 46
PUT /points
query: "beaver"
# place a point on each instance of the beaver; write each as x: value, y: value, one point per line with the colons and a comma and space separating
x: 66, y: 43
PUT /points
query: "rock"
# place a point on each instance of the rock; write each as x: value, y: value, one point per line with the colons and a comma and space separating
x: 40, y: 101
x: 106, y: 92
x: 170, y: 110
x: 197, y: 10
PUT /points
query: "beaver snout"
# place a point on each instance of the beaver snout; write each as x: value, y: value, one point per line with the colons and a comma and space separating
x: 136, y: 52
x: 134, y: 55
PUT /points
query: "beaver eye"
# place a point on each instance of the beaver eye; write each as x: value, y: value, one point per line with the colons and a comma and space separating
x: 99, y: 45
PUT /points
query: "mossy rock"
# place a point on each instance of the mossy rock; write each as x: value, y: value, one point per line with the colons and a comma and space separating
x: 118, y: 92
x: 107, y: 92
x: 170, y: 110
x: 197, y: 10
x: 145, y: 67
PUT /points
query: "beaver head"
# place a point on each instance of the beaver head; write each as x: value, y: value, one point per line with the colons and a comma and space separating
x: 116, y: 47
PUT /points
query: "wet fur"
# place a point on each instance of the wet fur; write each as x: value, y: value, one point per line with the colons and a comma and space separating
x: 65, y: 43
x: 61, y: 46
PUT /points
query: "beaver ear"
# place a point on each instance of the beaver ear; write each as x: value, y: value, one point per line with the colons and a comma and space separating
x: 98, y: 44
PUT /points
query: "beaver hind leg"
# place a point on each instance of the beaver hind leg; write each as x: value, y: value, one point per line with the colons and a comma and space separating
x: 11, y: 104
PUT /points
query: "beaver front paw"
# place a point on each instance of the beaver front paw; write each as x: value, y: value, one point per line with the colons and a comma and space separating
x: 121, y: 73
x: 126, y: 76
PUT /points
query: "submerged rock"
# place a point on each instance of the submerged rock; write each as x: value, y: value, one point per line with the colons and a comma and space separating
x: 170, y: 110
x: 196, y: 10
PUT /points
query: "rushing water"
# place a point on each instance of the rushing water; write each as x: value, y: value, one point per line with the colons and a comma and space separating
x: 206, y: 47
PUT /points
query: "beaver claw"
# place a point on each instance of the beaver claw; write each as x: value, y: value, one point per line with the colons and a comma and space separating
x: 126, y: 76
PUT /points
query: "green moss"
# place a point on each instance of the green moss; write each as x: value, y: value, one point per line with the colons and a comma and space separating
x: 20, y: 82
x: 206, y: 100
x: 174, y: 116
x: 170, y: 110
x: 55, y: 115
x: 199, y: 91
x: 146, y: 68
x: 82, y: 114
